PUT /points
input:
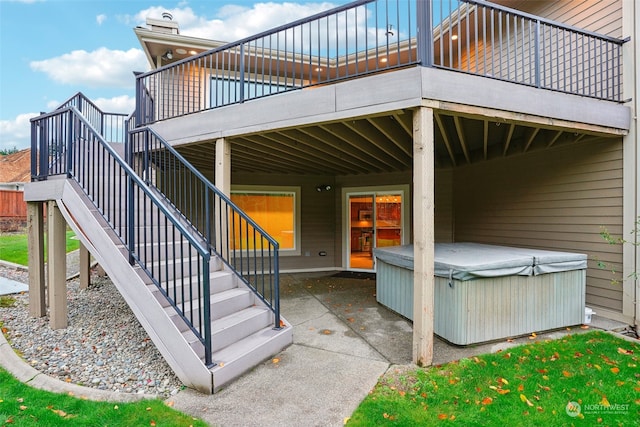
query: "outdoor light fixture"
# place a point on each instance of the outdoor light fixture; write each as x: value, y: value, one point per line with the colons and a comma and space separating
x: 168, y: 55
x: 323, y: 187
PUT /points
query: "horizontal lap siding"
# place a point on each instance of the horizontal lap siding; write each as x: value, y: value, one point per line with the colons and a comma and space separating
x: 556, y: 199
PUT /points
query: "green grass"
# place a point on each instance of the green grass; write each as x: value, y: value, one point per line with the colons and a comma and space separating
x: 13, y: 247
x: 525, y: 385
x: 21, y: 405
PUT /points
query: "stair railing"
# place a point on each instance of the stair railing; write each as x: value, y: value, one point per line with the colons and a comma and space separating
x: 65, y: 143
x: 111, y: 126
x: 237, y: 239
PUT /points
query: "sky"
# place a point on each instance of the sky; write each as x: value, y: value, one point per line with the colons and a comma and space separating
x: 52, y: 49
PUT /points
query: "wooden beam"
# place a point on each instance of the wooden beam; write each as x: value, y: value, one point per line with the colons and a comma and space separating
x: 531, y: 138
x: 460, y: 132
x: 485, y: 138
x: 423, y: 226
x: 508, y: 139
x: 480, y: 113
x: 555, y: 138
x: 445, y: 137
x: 35, y: 244
x: 85, y: 267
x: 57, y: 267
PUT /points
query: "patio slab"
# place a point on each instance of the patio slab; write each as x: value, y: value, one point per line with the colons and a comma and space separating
x: 8, y: 286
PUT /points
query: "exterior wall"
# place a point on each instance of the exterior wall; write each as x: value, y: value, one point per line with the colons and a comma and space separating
x: 603, y: 17
x: 318, y: 227
x: 553, y: 199
x: 444, y: 227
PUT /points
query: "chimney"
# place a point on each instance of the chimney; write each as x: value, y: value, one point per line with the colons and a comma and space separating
x: 165, y: 25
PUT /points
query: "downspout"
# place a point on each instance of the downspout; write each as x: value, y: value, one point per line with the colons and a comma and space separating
x: 631, y: 159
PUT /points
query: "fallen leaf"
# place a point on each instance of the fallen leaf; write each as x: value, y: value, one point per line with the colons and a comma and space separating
x: 597, y: 367
x: 533, y: 336
x: 487, y: 401
x: 566, y: 373
x: 346, y: 420
x: 442, y: 416
x: 584, y: 327
x: 148, y: 408
x: 520, y: 387
x: 539, y: 408
x: 351, y: 319
x: 525, y: 400
x: 615, y: 370
x: 623, y: 351
x: 604, y: 401
x: 282, y: 325
x: 326, y: 331
x: 544, y: 387
x: 504, y: 391
x: 578, y: 354
x: 170, y: 403
x: 115, y: 407
x: 59, y: 412
x: 152, y: 423
x: 23, y: 408
x: 275, y: 360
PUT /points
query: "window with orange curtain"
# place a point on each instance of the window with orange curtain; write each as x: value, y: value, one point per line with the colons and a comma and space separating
x: 273, y: 211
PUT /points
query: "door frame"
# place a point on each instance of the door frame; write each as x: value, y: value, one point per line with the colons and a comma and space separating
x: 372, y: 190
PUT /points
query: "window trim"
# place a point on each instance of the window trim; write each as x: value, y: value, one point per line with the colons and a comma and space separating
x: 275, y: 189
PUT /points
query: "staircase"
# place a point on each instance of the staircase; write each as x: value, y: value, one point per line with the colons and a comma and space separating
x: 189, y: 277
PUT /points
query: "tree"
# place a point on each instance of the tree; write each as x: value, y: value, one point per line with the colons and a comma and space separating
x: 7, y: 151
x: 620, y: 241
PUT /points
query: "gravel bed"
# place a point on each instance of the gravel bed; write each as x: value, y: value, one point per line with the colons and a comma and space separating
x: 104, y: 346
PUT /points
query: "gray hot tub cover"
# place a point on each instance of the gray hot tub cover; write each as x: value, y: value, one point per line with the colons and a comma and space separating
x: 466, y: 261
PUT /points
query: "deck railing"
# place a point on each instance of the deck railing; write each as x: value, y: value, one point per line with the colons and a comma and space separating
x: 65, y: 143
x: 111, y: 126
x: 371, y: 36
x: 237, y: 239
x: 483, y: 38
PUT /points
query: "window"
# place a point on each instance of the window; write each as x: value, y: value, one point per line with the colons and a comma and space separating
x: 276, y: 210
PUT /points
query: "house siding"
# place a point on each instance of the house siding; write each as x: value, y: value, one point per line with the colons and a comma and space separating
x: 513, y: 58
x: 558, y: 199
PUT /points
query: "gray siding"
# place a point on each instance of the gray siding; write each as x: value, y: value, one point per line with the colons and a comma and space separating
x: 553, y: 199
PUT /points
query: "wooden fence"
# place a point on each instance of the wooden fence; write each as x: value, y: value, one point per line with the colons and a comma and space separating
x: 13, y: 210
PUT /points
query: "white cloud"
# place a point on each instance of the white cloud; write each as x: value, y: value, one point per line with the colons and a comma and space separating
x: 118, y: 104
x: 16, y: 132
x: 101, y: 18
x: 100, y: 68
x: 234, y: 22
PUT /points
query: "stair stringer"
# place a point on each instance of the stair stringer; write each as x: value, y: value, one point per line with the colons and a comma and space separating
x: 97, y: 236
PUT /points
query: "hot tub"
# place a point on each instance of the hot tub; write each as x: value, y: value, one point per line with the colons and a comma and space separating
x: 486, y: 292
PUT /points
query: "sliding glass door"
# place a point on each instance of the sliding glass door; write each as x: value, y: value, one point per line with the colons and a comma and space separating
x: 374, y: 221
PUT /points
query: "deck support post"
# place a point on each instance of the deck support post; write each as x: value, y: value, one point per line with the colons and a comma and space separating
x: 57, y: 266
x: 423, y: 236
x: 35, y: 244
x: 223, y: 166
x: 223, y: 182
x: 85, y: 267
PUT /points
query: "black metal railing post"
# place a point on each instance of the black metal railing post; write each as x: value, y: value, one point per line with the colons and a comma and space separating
x: 424, y: 32
x: 537, y: 53
x: 242, y: 73
x: 69, y: 145
x: 130, y: 209
x: 206, y: 290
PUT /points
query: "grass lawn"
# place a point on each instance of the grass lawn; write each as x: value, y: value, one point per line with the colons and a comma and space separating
x: 582, y: 379
x: 13, y: 247
x: 21, y: 405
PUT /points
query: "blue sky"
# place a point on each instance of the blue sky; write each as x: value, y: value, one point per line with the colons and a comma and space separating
x: 52, y: 49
